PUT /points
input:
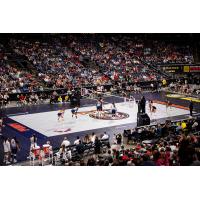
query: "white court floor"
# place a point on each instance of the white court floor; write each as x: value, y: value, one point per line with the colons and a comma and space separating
x: 47, y: 124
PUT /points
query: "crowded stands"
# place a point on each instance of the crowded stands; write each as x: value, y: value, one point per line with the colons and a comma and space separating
x: 61, y: 64
x: 59, y: 61
x: 169, y: 144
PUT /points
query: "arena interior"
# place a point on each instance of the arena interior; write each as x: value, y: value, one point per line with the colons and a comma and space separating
x: 100, y: 99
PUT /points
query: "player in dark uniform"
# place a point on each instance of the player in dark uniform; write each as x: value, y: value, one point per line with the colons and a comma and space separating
x: 113, y: 109
x: 98, y: 105
x: 74, y: 111
x: 101, y: 104
x: 153, y: 109
x: 61, y: 115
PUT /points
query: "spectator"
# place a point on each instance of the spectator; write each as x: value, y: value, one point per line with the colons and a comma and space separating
x: 93, y: 137
x: 80, y: 149
x: 86, y: 139
x: 77, y: 141
x: 65, y: 142
x: 119, y: 138
x: 7, y: 151
x: 33, y: 141
x: 14, y: 149
x: 97, y: 146
x: 105, y: 136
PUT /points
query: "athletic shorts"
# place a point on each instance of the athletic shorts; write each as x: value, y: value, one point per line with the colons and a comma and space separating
x: 59, y: 114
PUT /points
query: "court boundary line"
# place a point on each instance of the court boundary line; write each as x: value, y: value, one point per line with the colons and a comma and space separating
x: 173, y: 105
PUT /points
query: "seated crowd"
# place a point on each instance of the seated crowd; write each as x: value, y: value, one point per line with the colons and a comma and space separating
x: 59, y: 61
x: 168, y: 144
x: 166, y: 53
x: 185, y: 88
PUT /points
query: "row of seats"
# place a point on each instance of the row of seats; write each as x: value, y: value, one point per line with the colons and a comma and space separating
x: 89, y: 149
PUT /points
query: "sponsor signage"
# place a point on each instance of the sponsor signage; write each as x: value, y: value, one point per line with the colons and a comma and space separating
x: 173, y: 69
x: 18, y: 127
x: 183, y: 97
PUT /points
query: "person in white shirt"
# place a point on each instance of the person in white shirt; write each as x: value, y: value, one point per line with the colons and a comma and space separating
x: 5, y: 97
x: 105, y: 136
x: 7, y: 151
x: 76, y: 142
x: 64, y: 154
x: 65, y: 142
x: 93, y: 136
x: 33, y: 141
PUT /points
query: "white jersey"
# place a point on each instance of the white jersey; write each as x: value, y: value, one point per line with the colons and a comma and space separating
x: 6, y: 146
x: 13, y: 144
x: 66, y: 143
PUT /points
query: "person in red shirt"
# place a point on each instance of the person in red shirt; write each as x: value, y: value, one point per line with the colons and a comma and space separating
x: 22, y: 99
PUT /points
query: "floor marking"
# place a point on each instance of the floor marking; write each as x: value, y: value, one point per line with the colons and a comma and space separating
x: 173, y: 105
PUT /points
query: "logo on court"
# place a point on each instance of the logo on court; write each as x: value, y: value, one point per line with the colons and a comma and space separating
x: 107, y: 115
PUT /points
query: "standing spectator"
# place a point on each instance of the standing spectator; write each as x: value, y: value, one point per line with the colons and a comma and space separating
x: 65, y: 142
x: 14, y: 149
x: 7, y: 151
x: 33, y: 141
x: 5, y: 99
x: 63, y: 154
